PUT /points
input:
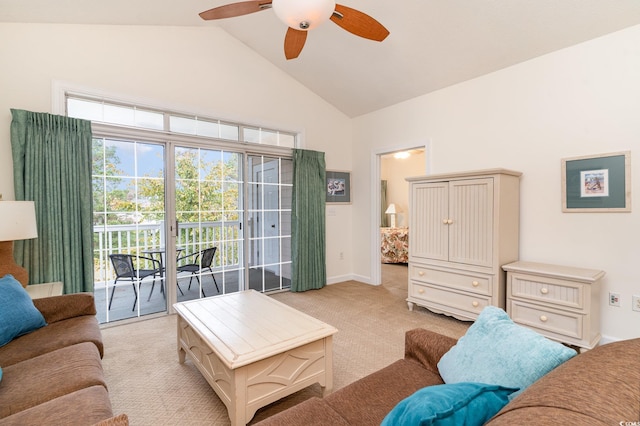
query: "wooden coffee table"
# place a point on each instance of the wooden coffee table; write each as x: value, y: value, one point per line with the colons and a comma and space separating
x: 254, y: 350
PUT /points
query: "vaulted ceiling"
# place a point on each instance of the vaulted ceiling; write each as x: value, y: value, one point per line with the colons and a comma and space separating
x: 433, y: 43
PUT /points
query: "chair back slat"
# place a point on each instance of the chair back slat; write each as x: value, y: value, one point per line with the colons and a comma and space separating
x: 207, y: 257
x: 122, y: 265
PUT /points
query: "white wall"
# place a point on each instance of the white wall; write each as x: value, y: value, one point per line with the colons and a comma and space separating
x: 582, y: 100
x: 200, y: 70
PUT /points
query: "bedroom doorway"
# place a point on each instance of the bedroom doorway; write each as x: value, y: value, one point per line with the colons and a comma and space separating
x: 393, y: 205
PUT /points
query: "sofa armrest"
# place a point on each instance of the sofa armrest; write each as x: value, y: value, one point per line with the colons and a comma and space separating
x: 58, y: 308
x: 426, y: 347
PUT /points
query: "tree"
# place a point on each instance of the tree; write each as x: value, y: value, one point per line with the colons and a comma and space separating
x: 110, y: 192
x: 209, y: 198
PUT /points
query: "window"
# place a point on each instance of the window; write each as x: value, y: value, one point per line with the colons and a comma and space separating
x: 224, y: 185
x: 111, y: 112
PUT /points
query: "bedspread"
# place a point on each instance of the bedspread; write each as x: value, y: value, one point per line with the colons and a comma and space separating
x: 394, y: 245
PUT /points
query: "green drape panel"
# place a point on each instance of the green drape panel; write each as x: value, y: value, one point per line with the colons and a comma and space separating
x: 308, y: 228
x: 52, y: 167
x: 383, y: 204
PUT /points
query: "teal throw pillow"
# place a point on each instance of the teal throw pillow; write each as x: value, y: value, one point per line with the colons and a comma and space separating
x: 18, y: 315
x: 457, y: 404
x: 498, y: 351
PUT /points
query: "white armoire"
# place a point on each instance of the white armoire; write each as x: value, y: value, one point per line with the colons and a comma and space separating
x: 462, y: 228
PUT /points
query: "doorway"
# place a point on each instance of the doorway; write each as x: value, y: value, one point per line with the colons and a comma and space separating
x: 392, y: 202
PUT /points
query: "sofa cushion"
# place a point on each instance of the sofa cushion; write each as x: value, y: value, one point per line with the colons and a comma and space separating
x: 497, y: 351
x: 381, y: 390
x: 54, y: 336
x: 86, y: 406
x: 469, y: 404
x: 119, y: 420
x: 426, y: 347
x: 312, y: 412
x: 18, y: 316
x: 598, y: 387
x: 49, y: 376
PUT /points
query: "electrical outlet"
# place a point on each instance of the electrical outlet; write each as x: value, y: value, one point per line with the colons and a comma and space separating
x: 341, y: 255
x: 614, y: 299
x: 635, y: 303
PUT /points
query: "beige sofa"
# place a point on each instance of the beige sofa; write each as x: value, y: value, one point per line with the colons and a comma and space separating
x: 54, y: 375
x: 598, y: 387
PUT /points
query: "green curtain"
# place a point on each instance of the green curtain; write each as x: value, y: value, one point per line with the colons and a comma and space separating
x: 383, y: 204
x: 308, y: 227
x: 52, y: 166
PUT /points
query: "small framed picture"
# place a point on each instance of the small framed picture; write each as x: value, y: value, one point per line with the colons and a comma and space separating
x: 338, y: 187
x: 600, y: 183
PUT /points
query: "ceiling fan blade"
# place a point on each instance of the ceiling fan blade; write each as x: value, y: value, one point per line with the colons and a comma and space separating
x: 235, y: 9
x: 294, y: 42
x: 359, y: 23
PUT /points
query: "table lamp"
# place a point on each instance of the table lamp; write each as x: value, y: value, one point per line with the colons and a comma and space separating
x: 391, y: 210
x: 17, y: 222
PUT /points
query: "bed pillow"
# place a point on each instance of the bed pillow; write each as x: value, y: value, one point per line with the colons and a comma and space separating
x: 18, y: 315
x: 466, y: 404
x: 495, y: 350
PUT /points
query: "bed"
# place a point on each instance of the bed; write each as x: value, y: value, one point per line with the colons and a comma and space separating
x: 394, y: 245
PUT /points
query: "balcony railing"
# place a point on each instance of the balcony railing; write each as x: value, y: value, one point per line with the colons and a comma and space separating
x: 138, y: 238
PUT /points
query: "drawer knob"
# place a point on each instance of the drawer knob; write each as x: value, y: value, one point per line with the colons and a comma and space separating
x: 543, y: 318
x: 474, y: 304
x: 475, y: 283
x: 449, y: 222
x: 445, y: 222
x: 544, y: 290
x: 421, y: 290
x: 421, y: 273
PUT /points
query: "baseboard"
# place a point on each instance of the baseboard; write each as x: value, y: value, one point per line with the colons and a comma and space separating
x: 607, y: 339
x: 349, y: 277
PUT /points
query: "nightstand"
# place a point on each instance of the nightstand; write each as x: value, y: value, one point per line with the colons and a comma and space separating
x: 559, y: 302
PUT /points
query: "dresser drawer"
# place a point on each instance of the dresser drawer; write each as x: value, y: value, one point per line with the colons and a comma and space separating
x: 465, y: 281
x: 443, y: 296
x: 551, y: 291
x: 561, y: 323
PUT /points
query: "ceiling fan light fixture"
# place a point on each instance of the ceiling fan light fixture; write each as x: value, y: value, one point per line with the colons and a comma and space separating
x: 303, y: 14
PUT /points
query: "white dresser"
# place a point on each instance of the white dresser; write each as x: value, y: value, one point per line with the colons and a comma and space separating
x: 463, y: 228
x: 559, y: 302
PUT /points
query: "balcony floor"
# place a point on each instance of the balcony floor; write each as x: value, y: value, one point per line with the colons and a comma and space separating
x: 122, y: 305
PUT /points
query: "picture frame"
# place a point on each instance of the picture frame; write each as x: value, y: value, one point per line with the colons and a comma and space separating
x: 338, y: 186
x: 597, y: 183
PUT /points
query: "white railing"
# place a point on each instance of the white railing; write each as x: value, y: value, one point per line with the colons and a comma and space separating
x: 138, y: 238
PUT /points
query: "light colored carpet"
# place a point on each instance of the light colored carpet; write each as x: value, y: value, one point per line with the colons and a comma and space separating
x: 146, y: 381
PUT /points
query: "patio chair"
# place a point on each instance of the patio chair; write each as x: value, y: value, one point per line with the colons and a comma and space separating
x: 123, y: 265
x: 202, y: 260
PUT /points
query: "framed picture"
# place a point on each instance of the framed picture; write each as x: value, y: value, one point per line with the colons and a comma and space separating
x: 338, y: 187
x: 600, y: 183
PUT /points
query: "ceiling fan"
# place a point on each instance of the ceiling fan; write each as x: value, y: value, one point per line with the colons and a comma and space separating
x: 302, y: 16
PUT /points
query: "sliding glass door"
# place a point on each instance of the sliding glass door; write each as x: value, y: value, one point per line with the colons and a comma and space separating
x: 178, y: 211
x: 209, y: 212
x: 269, y: 210
x: 128, y: 224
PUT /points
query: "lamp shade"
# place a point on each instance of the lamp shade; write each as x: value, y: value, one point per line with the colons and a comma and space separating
x: 391, y: 209
x: 17, y: 220
x: 303, y: 15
